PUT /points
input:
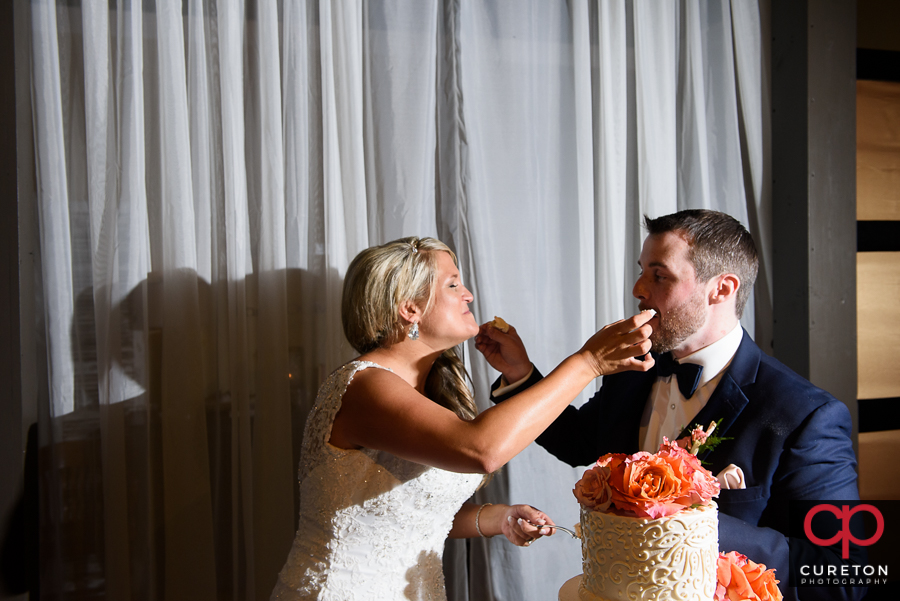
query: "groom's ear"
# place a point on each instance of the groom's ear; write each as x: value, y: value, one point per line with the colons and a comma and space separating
x: 724, y: 288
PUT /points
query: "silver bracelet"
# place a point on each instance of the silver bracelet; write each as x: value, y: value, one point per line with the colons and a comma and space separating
x: 478, y: 515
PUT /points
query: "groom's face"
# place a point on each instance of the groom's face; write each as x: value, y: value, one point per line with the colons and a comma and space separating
x: 668, y: 284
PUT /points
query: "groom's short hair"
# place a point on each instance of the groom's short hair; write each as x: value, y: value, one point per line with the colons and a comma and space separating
x: 717, y: 244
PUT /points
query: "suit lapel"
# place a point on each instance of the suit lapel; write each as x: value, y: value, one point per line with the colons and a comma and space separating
x: 728, y: 400
x: 724, y: 406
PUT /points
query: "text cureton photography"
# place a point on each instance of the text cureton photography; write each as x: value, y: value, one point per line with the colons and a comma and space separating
x: 844, y: 543
x: 845, y: 575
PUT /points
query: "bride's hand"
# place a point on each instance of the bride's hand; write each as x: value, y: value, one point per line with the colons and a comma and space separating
x: 620, y: 346
x: 517, y: 529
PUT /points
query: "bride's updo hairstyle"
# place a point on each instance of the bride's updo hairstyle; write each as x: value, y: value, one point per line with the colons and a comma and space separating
x: 378, y: 280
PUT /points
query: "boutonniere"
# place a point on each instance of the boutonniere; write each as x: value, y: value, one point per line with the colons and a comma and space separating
x: 702, y: 440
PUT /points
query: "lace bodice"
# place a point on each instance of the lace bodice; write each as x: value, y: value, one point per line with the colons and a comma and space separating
x: 372, y: 525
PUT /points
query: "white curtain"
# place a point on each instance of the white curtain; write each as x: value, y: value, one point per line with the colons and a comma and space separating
x: 207, y: 169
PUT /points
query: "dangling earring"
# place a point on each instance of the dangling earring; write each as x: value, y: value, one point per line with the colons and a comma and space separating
x: 413, y: 332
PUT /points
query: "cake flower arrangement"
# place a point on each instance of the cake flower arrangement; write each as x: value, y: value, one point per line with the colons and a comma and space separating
x: 647, y: 485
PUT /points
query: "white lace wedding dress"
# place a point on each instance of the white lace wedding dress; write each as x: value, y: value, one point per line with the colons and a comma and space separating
x: 372, y: 525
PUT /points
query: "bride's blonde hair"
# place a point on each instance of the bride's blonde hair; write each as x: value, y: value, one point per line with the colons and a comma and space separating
x: 378, y: 280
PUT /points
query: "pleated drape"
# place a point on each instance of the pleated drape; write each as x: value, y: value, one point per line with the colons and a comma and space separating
x: 206, y: 170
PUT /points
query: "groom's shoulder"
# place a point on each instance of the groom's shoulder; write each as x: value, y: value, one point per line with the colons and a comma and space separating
x: 775, y: 378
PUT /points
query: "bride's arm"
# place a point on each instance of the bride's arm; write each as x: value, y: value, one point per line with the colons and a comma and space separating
x: 381, y: 411
x: 508, y: 520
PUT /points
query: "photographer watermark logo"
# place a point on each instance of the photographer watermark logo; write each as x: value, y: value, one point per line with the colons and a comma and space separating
x: 844, y: 535
x: 841, y: 528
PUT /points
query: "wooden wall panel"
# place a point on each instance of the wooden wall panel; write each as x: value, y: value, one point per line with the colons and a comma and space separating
x: 879, y: 470
x: 877, y: 151
x: 878, y: 324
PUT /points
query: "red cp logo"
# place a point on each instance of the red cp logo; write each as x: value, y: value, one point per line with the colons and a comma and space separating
x: 844, y: 535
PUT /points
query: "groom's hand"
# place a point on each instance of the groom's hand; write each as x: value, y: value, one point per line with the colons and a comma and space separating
x: 504, y: 352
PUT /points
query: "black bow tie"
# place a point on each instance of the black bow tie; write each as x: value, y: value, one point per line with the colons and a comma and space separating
x: 688, y: 374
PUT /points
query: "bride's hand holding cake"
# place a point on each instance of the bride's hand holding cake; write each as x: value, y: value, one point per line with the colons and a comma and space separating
x: 617, y: 347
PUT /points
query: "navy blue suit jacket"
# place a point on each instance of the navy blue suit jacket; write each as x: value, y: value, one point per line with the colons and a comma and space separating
x: 791, y: 440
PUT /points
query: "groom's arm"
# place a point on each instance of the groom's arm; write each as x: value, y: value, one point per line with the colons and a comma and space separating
x: 573, y: 437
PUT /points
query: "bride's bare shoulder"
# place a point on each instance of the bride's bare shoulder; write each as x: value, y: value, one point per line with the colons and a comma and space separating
x: 373, y: 398
x: 376, y: 384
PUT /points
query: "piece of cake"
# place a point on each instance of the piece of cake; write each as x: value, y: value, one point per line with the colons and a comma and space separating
x: 500, y: 324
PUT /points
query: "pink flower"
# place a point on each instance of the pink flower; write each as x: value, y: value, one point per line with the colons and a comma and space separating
x: 699, y: 435
x: 704, y: 488
x: 698, y: 438
x: 739, y: 579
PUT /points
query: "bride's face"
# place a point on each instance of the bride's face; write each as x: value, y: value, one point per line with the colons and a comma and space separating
x: 448, y: 321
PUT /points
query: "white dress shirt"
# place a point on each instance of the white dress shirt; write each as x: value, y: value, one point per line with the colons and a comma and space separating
x: 506, y: 388
x: 667, y: 412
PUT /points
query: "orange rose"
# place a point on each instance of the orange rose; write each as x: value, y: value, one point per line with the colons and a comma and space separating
x: 740, y: 579
x: 762, y: 581
x: 593, y: 489
x: 702, y: 484
x: 650, y: 486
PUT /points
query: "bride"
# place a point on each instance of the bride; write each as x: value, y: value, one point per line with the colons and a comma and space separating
x: 394, y: 445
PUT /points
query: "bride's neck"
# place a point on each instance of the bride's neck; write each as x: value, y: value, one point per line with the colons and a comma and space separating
x: 410, y: 361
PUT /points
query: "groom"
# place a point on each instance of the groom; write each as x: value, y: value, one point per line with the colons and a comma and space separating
x: 787, y: 438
